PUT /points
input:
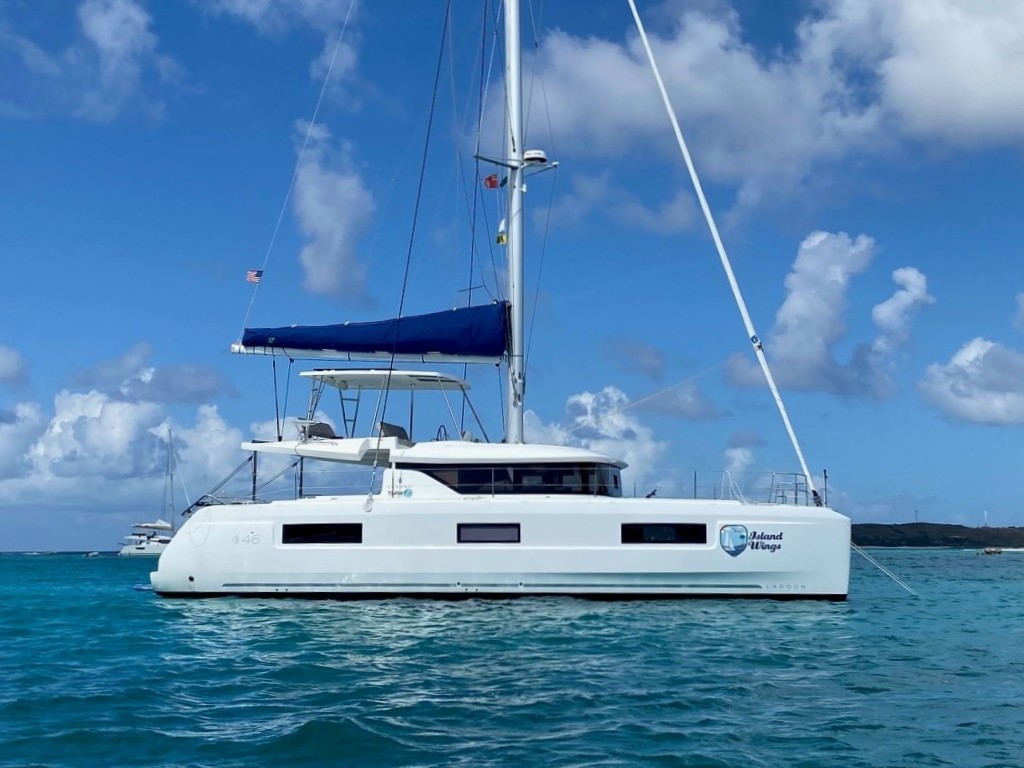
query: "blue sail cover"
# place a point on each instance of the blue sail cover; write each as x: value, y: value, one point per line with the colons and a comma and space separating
x: 469, y: 332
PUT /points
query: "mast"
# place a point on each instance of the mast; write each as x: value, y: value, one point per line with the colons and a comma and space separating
x: 514, y: 96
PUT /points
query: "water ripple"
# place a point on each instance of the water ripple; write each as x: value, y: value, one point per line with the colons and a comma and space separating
x: 96, y: 673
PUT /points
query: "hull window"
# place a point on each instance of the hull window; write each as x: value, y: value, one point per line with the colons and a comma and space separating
x: 664, y: 533
x: 322, y: 533
x: 488, y: 533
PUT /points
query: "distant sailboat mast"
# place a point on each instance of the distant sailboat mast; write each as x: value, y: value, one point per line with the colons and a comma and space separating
x: 516, y: 355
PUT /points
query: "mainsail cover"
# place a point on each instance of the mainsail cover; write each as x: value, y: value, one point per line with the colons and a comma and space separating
x: 468, y: 333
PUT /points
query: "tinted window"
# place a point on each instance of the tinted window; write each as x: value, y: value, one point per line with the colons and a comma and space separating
x: 486, y: 479
x: 322, y: 533
x: 664, y: 533
x: 488, y: 533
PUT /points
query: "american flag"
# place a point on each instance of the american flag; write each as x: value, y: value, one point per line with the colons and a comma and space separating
x: 254, y: 275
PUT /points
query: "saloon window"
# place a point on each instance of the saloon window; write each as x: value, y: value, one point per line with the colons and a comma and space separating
x: 486, y: 479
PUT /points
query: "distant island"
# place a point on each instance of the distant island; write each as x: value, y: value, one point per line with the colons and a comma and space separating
x: 935, y: 535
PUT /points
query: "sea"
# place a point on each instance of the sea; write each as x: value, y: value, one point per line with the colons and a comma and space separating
x: 97, y: 671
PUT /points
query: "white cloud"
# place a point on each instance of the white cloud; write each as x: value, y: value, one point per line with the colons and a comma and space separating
x: 738, y: 460
x: 596, y: 194
x: 982, y: 383
x: 91, y: 435
x: 105, y: 72
x: 133, y: 377
x: 600, y: 422
x: 862, y: 77
x: 954, y: 69
x: 893, y: 315
x: 18, y: 430
x: 12, y: 366
x: 333, y: 207
x: 811, y: 321
x: 270, y: 16
x: 1018, y: 318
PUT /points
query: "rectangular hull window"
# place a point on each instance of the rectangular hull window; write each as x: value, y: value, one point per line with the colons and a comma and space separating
x: 322, y: 533
x: 664, y: 533
x: 488, y: 533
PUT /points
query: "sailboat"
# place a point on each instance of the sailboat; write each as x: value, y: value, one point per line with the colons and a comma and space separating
x: 151, y: 539
x: 454, y: 515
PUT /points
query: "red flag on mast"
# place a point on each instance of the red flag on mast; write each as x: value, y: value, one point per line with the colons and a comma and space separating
x: 491, y: 182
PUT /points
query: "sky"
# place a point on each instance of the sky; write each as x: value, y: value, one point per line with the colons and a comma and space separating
x: 862, y: 159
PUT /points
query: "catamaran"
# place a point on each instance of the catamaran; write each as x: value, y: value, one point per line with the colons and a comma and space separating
x: 151, y: 539
x: 451, y: 514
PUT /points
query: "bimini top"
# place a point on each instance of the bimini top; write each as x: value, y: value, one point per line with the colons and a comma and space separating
x: 467, y: 334
x: 379, y: 380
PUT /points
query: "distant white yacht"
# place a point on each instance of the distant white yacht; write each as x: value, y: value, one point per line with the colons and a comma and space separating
x: 150, y: 539
x: 147, y: 539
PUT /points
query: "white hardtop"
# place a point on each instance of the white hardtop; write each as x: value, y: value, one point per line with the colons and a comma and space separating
x: 362, y: 450
x: 159, y: 525
x: 379, y: 380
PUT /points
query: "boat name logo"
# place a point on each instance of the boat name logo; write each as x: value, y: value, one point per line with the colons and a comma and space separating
x: 768, y: 542
x: 407, y: 493
x: 733, y: 539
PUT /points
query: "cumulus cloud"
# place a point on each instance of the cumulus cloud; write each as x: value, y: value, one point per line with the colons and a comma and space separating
x: 12, y: 366
x: 738, y: 460
x: 333, y: 207
x: 892, y: 316
x: 279, y: 15
x: 113, y: 65
x: 861, y: 77
x: 91, y: 435
x: 982, y: 383
x: 19, y: 428
x: 94, y: 446
x: 811, y: 321
x: 133, y: 377
x: 599, y: 421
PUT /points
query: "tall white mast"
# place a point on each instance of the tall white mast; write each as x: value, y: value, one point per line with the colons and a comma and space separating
x: 514, y: 96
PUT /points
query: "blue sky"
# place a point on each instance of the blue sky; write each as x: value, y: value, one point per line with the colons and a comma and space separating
x: 863, y: 159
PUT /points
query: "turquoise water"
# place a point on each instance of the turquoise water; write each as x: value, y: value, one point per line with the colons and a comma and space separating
x: 93, y: 672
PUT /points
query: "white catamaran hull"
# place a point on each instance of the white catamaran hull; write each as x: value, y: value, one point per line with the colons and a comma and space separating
x: 574, y: 547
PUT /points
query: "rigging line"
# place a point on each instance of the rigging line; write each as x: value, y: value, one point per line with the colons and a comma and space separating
x: 547, y: 219
x: 540, y: 269
x: 412, y: 235
x: 646, y: 398
x: 722, y: 255
x: 298, y: 162
x: 476, y: 190
x: 882, y: 568
x: 495, y: 50
x: 534, y: 25
x: 277, y: 409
